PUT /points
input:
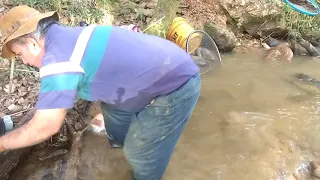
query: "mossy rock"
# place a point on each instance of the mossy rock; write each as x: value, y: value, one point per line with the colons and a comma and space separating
x: 223, y: 37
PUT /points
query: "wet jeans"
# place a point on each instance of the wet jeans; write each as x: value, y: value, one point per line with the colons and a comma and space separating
x: 149, y: 137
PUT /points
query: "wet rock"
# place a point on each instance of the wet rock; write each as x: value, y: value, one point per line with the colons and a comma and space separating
x: 258, y: 19
x: 298, y: 49
x: 78, y: 126
x: 314, y: 42
x: 48, y: 176
x: 205, y: 54
x: 83, y: 23
x: 307, y: 79
x: 315, y: 169
x: 272, y: 42
x: 223, y: 37
x: 292, y: 146
x: 200, y: 61
x: 280, y: 52
x: 309, y: 47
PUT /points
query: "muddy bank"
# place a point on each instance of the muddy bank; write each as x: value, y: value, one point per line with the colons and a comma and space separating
x: 59, y: 155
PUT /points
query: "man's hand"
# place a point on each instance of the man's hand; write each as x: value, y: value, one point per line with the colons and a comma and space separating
x: 2, y: 147
x: 42, y: 126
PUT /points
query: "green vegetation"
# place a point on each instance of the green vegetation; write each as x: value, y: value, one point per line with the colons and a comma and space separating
x: 299, y: 23
x: 94, y: 11
x: 157, y: 29
x: 74, y: 11
x: 166, y: 9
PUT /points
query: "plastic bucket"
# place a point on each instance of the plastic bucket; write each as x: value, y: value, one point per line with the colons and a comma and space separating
x: 178, y: 33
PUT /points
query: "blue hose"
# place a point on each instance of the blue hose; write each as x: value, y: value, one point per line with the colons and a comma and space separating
x: 303, y: 10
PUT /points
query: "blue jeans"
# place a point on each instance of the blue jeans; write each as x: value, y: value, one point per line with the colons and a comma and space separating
x: 149, y: 137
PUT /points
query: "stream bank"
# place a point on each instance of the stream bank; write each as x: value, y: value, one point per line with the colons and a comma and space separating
x: 236, y: 26
x: 254, y: 120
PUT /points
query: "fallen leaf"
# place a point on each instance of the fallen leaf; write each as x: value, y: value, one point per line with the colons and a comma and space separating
x: 25, y: 83
x: 6, y: 62
x: 14, y: 108
x: 7, y: 103
x: 2, y: 9
x: 21, y: 100
x: 6, y: 88
x: 23, y: 93
x: 26, y: 102
x: 11, y: 106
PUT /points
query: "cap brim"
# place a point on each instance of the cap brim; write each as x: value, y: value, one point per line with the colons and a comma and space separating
x: 6, y: 52
x: 26, y: 28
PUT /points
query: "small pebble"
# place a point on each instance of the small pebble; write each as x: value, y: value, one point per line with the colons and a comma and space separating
x: 315, y: 169
x: 78, y: 126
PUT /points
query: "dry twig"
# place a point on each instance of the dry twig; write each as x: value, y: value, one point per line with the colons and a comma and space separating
x: 11, y: 75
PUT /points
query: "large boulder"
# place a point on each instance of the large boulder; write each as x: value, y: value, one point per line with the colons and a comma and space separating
x: 280, y: 52
x: 223, y: 37
x: 259, y: 18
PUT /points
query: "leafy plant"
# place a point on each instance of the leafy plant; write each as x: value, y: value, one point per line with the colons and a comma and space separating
x: 76, y: 12
x: 300, y: 23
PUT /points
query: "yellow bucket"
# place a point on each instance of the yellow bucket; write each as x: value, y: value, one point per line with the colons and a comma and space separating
x: 178, y: 33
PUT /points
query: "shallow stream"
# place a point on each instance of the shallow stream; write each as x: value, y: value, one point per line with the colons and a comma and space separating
x: 254, y: 120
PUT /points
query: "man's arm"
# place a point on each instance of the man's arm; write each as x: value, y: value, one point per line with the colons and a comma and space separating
x: 43, y: 125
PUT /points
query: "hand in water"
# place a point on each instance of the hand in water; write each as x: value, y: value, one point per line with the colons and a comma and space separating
x: 97, y: 123
x: 2, y: 148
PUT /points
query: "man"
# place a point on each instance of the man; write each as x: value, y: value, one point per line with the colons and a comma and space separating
x: 148, y: 86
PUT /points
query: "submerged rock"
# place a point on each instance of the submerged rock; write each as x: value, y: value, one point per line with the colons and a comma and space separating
x: 201, y: 62
x: 206, y: 54
x: 272, y: 42
x: 307, y: 79
x: 315, y: 169
x: 280, y: 52
x: 223, y: 37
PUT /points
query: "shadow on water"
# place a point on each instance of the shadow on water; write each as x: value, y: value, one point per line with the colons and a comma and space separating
x: 254, y: 120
